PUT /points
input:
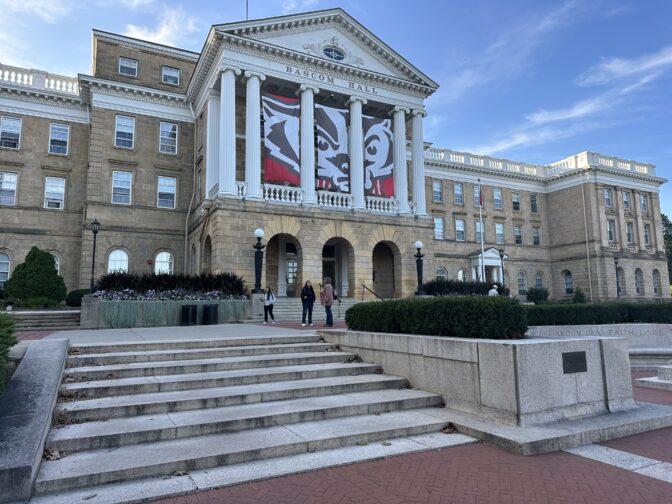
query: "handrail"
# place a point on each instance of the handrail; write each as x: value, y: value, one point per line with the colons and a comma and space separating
x: 372, y: 292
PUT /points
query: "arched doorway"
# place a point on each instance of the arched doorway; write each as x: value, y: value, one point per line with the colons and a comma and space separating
x: 338, y: 263
x: 284, y: 265
x: 206, y: 265
x: 386, y: 270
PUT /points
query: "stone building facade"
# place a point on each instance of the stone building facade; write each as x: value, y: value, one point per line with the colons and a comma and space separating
x: 167, y: 149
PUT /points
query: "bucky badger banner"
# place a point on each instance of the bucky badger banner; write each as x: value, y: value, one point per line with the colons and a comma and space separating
x: 333, y: 160
x: 378, y: 157
x: 281, y: 139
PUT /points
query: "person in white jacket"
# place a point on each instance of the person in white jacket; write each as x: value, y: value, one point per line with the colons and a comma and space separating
x: 269, y: 301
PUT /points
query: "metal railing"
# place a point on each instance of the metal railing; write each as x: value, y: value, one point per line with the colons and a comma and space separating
x: 364, y: 287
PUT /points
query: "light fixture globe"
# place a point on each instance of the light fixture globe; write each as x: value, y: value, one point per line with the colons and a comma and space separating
x: 418, y: 244
x: 259, y: 233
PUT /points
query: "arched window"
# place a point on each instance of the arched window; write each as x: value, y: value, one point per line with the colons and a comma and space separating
x: 657, y: 285
x: 620, y: 282
x: 539, y: 280
x: 5, y: 264
x: 57, y: 262
x: 194, y: 260
x: 441, y: 273
x: 639, y: 282
x: 568, y: 281
x: 163, y: 263
x: 522, y: 283
x: 462, y: 275
x: 117, y: 261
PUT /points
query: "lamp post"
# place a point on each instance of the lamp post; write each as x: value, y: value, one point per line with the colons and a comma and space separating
x: 258, y: 259
x: 95, y: 227
x: 618, y: 283
x: 418, y: 266
x: 501, y: 261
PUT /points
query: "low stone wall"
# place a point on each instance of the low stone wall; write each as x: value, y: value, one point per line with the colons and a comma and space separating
x: 515, y: 382
x: 637, y: 335
x: 108, y: 314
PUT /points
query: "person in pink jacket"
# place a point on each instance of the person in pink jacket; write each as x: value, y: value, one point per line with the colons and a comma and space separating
x: 327, y: 300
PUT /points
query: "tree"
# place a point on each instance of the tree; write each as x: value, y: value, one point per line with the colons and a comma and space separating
x: 667, y: 234
x: 36, y: 278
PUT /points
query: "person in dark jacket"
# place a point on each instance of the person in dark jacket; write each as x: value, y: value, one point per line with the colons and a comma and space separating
x: 308, y: 300
x: 269, y: 301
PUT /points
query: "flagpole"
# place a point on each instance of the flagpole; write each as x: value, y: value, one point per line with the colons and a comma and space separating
x: 480, y: 217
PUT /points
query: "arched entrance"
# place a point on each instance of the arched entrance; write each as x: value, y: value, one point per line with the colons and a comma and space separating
x: 338, y: 263
x: 386, y: 270
x: 284, y: 265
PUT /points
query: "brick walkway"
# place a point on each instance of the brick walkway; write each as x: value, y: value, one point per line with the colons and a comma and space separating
x: 31, y: 335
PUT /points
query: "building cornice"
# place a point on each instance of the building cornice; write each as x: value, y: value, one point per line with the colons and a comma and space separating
x: 87, y: 82
x: 38, y: 105
x: 143, y: 44
x: 46, y: 94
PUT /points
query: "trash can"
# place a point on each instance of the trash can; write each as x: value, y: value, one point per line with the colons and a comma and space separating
x: 210, y: 314
x: 189, y: 315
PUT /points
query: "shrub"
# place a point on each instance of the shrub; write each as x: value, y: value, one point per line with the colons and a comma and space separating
x: 599, y: 313
x: 228, y: 283
x: 463, y: 317
x: 579, y: 297
x: 7, y: 340
x: 36, y: 278
x: 537, y: 295
x: 447, y: 287
x: 37, y: 302
x: 74, y: 298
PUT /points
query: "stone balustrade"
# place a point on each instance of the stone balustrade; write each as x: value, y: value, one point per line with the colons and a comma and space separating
x: 473, y: 160
x: 282, y: 194
x: 241, y: 189
x: 383, y: 205
x: 336, y: 200
x: 38, y: 79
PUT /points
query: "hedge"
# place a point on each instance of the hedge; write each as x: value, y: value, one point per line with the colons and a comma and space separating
x: 447, y: 287
x: 36, y: 277
x: 74, y: 298
x: 462, y: 317
x: 7, y: 340
x: 599, y: 313
x: 228, y: 284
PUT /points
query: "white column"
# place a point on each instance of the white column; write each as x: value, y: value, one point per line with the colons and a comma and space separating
x: 418, y: 162
x: 227, y: 132
x: 212, y: 146
x: 356, y: 147
x: 308, y: 144
x: 345, y: 284
x: 253, y: 134
x: 400, y: 170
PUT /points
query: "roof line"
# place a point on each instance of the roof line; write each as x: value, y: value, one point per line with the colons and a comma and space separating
x: 140, y: 42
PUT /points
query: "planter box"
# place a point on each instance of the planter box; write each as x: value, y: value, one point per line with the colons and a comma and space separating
x: 108, y: 314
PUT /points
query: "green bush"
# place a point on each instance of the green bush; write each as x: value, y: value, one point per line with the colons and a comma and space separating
x: 227, y: 283
x: 74, y: 298
x: 7, y: 340
x: 599, y: 313
x: 537, y: 295
x: 36, y: 278
x: 37, y: 303
x: 579, y: 297
x: 447, y: 287
x: 459, y: 316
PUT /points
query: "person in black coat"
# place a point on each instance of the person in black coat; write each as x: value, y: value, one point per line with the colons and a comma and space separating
x: 308, y: 300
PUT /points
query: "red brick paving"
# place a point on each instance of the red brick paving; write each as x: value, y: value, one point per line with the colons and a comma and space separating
x: 31, y: 335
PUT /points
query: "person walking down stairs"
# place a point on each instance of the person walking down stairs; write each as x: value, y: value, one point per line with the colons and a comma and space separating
x: 327, y: 300
x: 308, y: 301
x: 269, y: 301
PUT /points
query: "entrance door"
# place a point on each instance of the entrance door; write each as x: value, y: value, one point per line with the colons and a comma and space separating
x: 489, y: 275
x: 383, y: 271
x: 292, y: 274
x: 329, y: 270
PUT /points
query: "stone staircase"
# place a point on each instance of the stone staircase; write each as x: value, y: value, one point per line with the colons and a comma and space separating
x: 46, y: 320
x: 290, y: 309
x: 128, y: 412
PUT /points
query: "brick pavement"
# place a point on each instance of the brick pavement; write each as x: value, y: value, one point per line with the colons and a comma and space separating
x: 31, y: 335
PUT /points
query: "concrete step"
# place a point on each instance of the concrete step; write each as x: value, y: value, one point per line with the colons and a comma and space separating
x: 107, y: 465
x: 110, y: 358
x: 183, y: 424
x: 203, y: 365
x: 191, y: 381
x: 167, y: 402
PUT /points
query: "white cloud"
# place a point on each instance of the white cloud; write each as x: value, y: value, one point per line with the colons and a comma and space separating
x: 613, y: 69
x: 47, y: 10
x: 289, y: 6
x: 136, y: 4
x: 174, y: 27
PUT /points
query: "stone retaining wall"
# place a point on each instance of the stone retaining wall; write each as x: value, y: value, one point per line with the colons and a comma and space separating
x: 637, y: 335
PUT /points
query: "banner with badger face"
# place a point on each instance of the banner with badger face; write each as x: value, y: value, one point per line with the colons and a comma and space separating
x: 333, y: 159
x: 378, y: 157
x: 281, y: 139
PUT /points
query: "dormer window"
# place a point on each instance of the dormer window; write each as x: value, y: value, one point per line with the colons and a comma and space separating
x: 333, y: 53
x: 128, y: 67
x: 170, y: 75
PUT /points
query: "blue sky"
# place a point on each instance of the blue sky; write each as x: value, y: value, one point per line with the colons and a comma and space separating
x: 530, y: 80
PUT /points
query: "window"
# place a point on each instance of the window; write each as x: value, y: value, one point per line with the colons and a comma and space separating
x: 441, y: 273
x: 124, y: 132
x: 128, y: 66
x: 8, y: 188
x: 10, y: 132
x: 54, y: 193
x: 515, y: 200
x: 167, y: 187
x: 534, y: 206
x: 568, y: 281
x: 639, y: 282
x: 57, y: 262
x: 657, y: 285
x: 477, y: 196
x: 479, y: 232
x: 607, y: 197
x: 59, y: 134
x: 333, y: 53
x: 459, y: 230
x: 121, y: 187
x: 170, y: 75
x: 626, y: 200
x: 539, y: 280
x: 536, y: 236
x: 647, y: 235
x: 499, y: 232
x: 459, y: 197
x: 518, y: 234
x: 163, y: 263
x: 630, y: 234
x: 522, y: 283
x: 644, y: 203
x: 168, y: 138
x: 611, y: 230
x: 5, y: 264
x: 117, y: 261
x: 462, y: 275
x: 436, y: 191
x: 438, y: 228
x: 620, y: 281
x: 497, y: 196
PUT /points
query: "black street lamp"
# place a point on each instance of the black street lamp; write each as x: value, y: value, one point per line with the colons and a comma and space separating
x: 95, y: 227
x: 258, y: 259
x: 501, y: 261
x: 618, y: 280
x: 418, y: 266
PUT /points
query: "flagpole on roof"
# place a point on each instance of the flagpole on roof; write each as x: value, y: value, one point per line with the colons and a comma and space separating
x: 480, y: 217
